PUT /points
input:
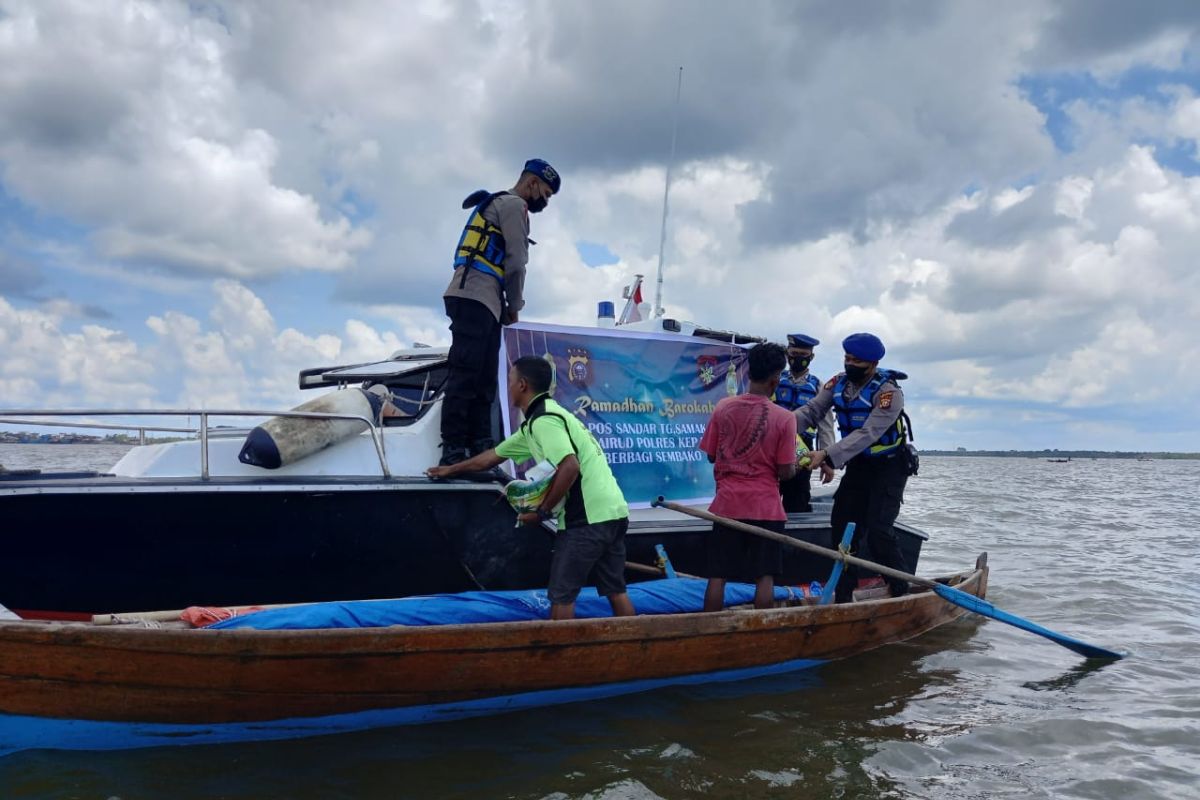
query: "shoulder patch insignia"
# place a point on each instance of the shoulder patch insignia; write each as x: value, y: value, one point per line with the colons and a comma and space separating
x: 885, y: 400
x: 832, y: 382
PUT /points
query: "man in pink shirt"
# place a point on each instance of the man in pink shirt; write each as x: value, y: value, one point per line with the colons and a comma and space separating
x: 751, y: 443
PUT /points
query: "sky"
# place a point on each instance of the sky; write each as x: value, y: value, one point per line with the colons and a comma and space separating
x: 200, y: 199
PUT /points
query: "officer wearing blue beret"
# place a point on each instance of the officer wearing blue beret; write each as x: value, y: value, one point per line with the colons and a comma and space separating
x: 869, y: 406
x: 486, y: 292
x: 797, y: 386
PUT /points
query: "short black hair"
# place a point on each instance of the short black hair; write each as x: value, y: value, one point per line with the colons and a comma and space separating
x: 537, y: 371
x: 766, y: 361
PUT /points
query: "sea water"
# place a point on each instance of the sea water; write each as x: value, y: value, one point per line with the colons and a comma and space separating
x: 1106, y: 551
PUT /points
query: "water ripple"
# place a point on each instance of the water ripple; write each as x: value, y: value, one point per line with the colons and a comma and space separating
x: 1106, y: 551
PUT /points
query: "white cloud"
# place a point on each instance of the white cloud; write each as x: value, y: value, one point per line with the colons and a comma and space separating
x: 1072, y: 197
x: 241, y: 316
x: 125, y: 119
x: 840, y: 169
x: 47, y: 365
x: 241, y: 361
x: 244, y: 360
x: 1007, y: 198
x: 416, y: 324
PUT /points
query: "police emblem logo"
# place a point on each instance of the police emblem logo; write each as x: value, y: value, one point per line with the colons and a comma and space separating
x: 832, y: 382
x: 885, y: 400
x: 577, y: 366
x: 706, y: 368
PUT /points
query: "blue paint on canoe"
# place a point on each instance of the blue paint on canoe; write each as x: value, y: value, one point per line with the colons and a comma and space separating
x: 29, y: 733
x: 831, y: 587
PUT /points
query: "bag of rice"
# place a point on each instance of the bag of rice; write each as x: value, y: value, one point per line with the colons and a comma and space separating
x: 802, y: 451
x: 526, y: 495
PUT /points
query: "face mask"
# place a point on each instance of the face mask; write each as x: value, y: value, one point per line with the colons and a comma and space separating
x: 798, y: 365
x: 537, y: 205
x: 856, y: 374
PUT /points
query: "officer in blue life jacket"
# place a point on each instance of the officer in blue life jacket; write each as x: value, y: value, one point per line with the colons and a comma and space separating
x: 796, y: 387
x: 486, y: 292
x: 869, y: 407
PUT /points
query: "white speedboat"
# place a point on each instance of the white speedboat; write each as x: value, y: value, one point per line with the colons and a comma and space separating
x: 188, y: 523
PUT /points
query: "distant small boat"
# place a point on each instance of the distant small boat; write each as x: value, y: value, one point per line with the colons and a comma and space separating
x: 79, y: 685
x: 1059, y: 460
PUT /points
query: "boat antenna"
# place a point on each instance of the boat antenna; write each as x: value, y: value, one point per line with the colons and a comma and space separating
x: 662, y: 239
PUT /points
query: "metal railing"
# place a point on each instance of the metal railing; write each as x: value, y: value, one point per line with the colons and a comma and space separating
x: 10, y: 417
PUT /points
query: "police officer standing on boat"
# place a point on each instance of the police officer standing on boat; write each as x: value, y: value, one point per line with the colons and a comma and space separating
x: 487, y: 292
x: 798, y: 386
x: 869, y: 407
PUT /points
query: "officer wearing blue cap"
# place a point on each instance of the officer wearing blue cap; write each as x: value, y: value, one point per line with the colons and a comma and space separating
x: 797, y: 386
x: 486, y: 292
x: 869, y: 407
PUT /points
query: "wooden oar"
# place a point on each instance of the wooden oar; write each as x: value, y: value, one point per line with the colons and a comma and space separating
x: 176, y: 614
x: 633, y: 566
x: 948, y: 593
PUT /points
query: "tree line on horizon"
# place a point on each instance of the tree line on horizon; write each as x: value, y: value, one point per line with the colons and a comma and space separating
x: 1056, y: 453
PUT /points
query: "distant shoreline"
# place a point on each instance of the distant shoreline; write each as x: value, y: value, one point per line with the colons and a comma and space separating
x: 1079, y: 455
x: 80, y: 441
x: 68, y: 438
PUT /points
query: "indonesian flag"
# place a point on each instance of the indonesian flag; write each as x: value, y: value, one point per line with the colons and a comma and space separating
x: 632, y: 313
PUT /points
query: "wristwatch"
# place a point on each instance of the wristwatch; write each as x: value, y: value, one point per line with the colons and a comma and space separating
x: 543, y: 514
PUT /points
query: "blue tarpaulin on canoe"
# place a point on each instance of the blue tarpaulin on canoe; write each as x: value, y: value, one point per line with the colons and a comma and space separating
x: 665, y: 596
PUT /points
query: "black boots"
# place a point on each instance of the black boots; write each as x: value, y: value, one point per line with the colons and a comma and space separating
x: 453, y: 455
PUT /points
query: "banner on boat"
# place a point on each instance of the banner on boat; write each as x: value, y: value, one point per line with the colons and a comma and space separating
x: 646, y: 397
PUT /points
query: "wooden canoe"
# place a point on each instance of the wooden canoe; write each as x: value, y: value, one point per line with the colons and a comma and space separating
x: 172, y: 683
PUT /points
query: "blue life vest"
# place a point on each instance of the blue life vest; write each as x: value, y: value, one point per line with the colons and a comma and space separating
x: 481, y: 245
x: 852, y: 415
x: 791, y: 395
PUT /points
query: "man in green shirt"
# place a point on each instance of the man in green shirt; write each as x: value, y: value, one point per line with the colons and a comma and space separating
x: 594, y: 516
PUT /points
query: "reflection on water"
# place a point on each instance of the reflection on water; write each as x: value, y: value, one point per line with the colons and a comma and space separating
x: 1101, y: 550
x: 1069, y: 679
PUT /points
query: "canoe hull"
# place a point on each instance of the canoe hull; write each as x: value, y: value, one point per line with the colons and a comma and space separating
x: 25, y: 732
x: 397, y: 675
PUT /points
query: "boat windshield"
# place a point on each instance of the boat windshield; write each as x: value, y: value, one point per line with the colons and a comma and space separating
x: 413, y: 393
x: 414, y: 379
